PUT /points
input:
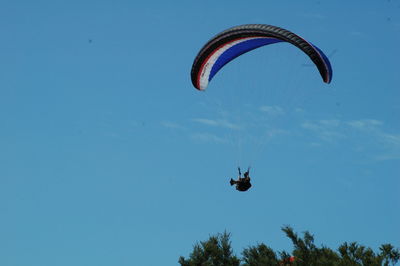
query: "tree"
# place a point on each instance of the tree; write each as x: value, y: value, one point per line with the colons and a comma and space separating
x: 259, y: 255
x: 217, y: 251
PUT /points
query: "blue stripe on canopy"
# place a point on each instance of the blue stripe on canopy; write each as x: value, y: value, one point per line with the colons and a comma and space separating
x: 239, y: 49
x: 326, y: 61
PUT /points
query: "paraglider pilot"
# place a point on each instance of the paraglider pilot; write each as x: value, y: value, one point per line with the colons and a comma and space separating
x: 242, y: 184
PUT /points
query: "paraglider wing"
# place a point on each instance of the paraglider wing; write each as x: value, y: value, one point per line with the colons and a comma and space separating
x: 233, y: 42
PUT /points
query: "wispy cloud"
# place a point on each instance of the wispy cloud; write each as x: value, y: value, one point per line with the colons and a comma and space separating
x: 388, y: 156
x: 391, y: 144
x: 366, y: 134
x: 365, y: 124
x: 274, y: 132
x: 172, y: 125
x: 330, y: 123
x: 391, y: 139
x: 272, y: 110
x: 208, y: 137
x: 217, y: 123
x: 327, y: 130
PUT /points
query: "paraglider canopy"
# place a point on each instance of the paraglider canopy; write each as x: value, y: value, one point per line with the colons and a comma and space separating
x: 233, y: 42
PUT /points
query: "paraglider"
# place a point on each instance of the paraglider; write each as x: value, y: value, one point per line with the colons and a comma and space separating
x: 243, y: 183
x: 233, y: 42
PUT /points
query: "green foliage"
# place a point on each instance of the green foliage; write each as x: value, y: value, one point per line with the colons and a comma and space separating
x: 305, y: 251
x: 217, y: 251
x: 354, y: 254
x: 259, y: 255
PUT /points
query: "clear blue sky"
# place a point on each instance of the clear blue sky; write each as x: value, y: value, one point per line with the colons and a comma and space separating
x: 109, y: 156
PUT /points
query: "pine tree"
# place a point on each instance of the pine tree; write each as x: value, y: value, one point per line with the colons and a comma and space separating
x: 217, y: 251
